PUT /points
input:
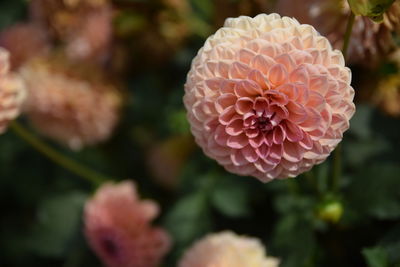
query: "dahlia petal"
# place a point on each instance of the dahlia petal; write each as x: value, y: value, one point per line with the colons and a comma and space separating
x: 270, y: 49
x: 262, y: 63
x: 292, y: 152
x: 238, y: 142
x: 252, y: 133
x: 262, y: 166
x: 238, y: 159
x: 306, y: 142
x: 281, y: 111
x: 239, y: 70
x: 227, y: 115
x: 262, y: 151
x: 297, y: 113
x: 287, y: 61
x: 244, y: 105
x: 290, y: 90
x: 235, y: 127
x: 293, y: 132
x: 259, y: 78
x: 250, y: 154
x: 224, y: 101
x: 247, y: 88
x: 223, y: 69
x: 213, y: 85
x: 257, y: 141
x: 279, y: 135
x: 277, y: 97
x: 300, y: 56
x: 276, y: 151
x: 246, y: 55
x: 316, y: 100
x: 319, y: 84
x: 277, y: 74
x: 312, y: 121
x: 227, y: 86
x: 260, y: 105
x: 299, y: 75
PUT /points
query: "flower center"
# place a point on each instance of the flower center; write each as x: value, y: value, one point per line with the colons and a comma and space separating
x: 263, y: 122
x: 109, y: 247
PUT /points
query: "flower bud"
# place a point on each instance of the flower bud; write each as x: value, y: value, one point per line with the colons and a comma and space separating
x: 374, y: 9
x: 330, y: 210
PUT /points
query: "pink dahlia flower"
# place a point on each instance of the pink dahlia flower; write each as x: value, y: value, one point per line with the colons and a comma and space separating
x: 117, y: 227
x: 12, y: 92
x: 227, y: 249
x: 268, y: 97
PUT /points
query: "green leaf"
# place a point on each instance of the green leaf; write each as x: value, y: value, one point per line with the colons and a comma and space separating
x: 58, y: 221
x: 293, y: 236
x: 376, y: 257
x: 189, y: 218
x: 231, y: 199
x: 374, y: 191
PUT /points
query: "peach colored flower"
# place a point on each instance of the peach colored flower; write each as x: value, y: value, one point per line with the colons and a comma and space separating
x: 12, y: 92
x: 117, y: 227
x: 24, y: 41
x: 369, y: 41
x: 268, y: 97
x: 226, y: 249
x: 75, y: 105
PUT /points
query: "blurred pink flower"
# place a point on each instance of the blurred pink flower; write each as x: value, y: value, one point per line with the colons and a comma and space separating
x: 117, y: 227
x: 268, y: 97
x: 227, y: 249
x: 75, y: 105
x: 83, y: 26
x: 12, y: 92
x: 24, y: 41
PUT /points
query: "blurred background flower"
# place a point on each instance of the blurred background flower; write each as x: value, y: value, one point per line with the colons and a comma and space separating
x: 227, y: 249
x: 117, y: 226
x: 12, y: 92
x: 74, y: 104
x: 370, y: 42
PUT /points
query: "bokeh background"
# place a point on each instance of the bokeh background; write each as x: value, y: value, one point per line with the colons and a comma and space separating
x: 303, y: 221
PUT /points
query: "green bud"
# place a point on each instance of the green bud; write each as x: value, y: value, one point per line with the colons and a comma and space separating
x: 374, y: 9
x: 330, y: 211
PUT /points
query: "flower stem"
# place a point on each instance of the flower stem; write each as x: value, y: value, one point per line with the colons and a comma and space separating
x: 347, y: 34
x: 64, y: 161
x: 337, y: 157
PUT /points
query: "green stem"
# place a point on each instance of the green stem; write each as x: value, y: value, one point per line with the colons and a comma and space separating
x: 57, y: 157
x: 347, y: 34
x: 337, y: 157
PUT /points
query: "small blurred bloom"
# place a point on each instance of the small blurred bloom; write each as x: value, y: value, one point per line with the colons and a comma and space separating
x: 166, y: 159
x: 369, y: 41
x: 268, y: 97
x: 387, y: 96
x: 227, y: 249
x: 24, y: 41
x: 84, y: 26
x: 117, y: 227
x: 12, y: 92
x: 93, y: 38
x: 71, y: 104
